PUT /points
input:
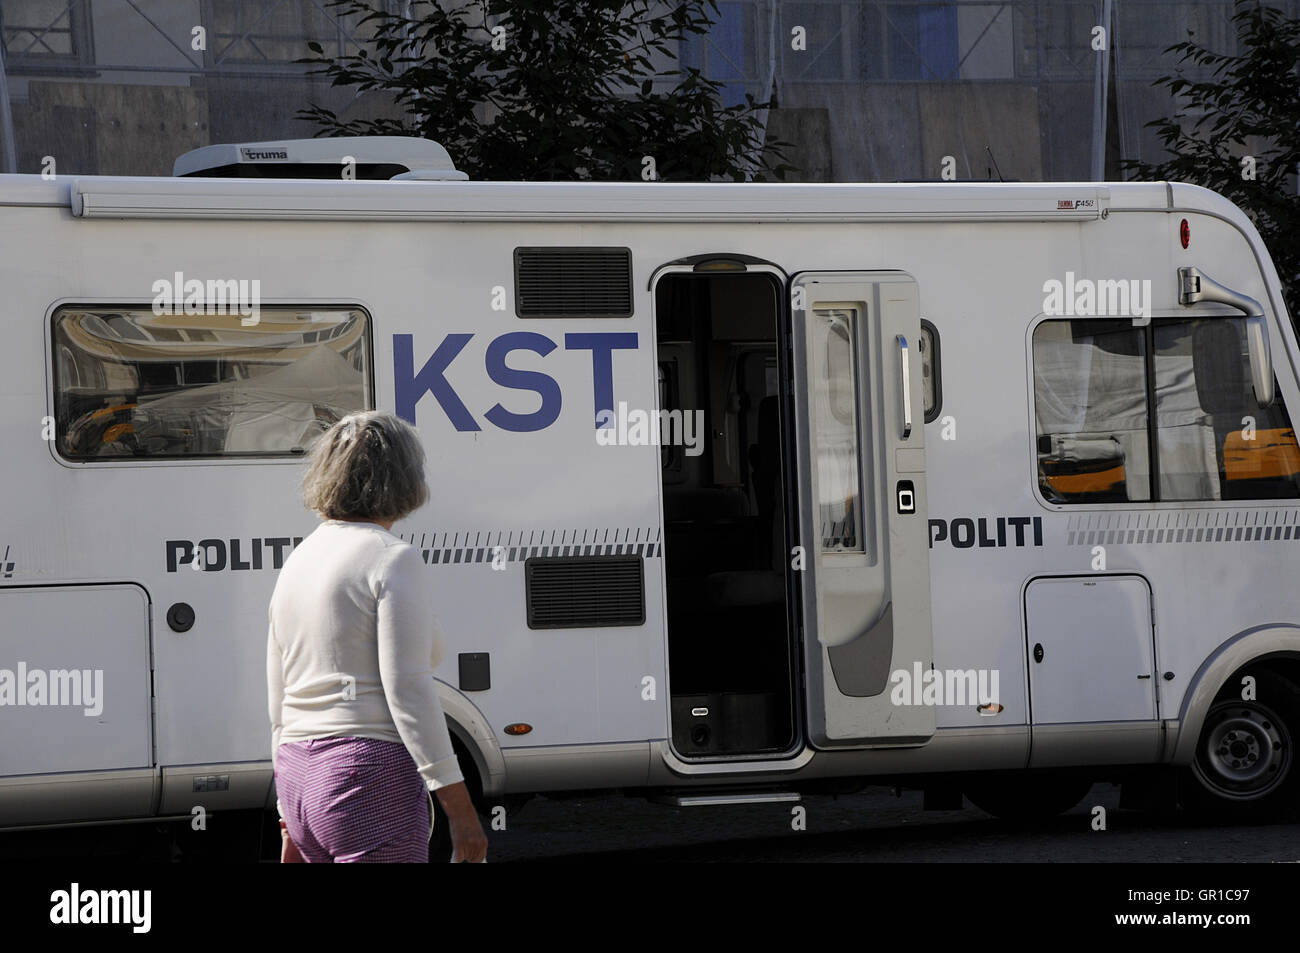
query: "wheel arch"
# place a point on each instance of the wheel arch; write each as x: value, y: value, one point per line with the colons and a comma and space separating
x: 1273, y: 647
x: 471, y: 730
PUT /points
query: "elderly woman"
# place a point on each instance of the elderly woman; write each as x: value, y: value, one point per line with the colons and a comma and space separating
x: 357, y: 731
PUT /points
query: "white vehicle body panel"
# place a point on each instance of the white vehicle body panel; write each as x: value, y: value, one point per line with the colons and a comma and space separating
x: 424, y: 261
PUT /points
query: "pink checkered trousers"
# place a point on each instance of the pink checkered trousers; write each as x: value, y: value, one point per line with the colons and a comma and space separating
x: 353, y: 800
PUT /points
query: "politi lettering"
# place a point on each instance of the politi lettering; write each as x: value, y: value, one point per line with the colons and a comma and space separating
x: 216, y: 555
x: 986, y: 532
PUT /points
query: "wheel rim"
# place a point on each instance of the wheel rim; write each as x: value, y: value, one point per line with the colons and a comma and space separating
x: 1244, y: 752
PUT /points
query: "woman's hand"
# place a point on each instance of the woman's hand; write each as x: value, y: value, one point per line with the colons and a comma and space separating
x: 469, y: 843
x: 289, y: 853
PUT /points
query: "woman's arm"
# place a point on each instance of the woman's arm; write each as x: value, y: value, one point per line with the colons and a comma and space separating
x: 274, y: 689
x: 410, y: 645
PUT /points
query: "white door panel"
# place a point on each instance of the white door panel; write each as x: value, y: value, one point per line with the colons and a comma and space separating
x: 74, y: 679
x: 1091, y: 649
x: 859, y: 409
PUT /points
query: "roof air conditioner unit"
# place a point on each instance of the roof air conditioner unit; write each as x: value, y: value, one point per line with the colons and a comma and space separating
x: 356, y: 157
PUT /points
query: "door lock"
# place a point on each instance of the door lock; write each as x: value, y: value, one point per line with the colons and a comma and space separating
x: 906, y: 495
x: 1038, y: 652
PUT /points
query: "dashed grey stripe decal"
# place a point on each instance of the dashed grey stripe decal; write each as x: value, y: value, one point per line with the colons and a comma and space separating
x: 1183, y: 526
x: 441, y: 549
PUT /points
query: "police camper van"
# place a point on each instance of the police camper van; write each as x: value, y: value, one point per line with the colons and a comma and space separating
x: 740, y: 492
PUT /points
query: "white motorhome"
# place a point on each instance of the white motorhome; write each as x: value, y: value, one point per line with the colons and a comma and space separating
x: 740, y: 491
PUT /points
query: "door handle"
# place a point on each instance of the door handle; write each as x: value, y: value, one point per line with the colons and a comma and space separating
x: 907, y: 387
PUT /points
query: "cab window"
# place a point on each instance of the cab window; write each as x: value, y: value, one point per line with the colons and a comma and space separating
x: 1158, y: 413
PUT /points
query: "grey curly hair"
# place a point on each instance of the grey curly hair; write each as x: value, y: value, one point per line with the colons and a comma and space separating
x: 368, y: 466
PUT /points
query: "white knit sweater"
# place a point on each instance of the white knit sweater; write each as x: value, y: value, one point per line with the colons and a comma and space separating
x: 352, y: 646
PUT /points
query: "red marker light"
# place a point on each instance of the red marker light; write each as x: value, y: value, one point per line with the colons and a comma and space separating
x: 1185, y: 233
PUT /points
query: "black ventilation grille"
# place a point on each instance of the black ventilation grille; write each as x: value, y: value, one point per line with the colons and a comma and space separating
x: 573, y: 282
x: 578, y: 592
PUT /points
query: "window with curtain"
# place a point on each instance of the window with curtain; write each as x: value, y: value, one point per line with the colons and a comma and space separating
x: 1158, y: 413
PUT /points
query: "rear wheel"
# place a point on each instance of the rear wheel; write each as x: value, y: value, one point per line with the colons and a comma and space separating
x: 1245, y: 766
x: 1027, y: 797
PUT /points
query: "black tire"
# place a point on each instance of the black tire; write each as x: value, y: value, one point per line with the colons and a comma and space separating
x: 1030, y: 797
x: 1245, y: 765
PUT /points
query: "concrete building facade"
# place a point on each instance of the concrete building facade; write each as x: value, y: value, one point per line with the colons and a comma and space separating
x: 866, y: 90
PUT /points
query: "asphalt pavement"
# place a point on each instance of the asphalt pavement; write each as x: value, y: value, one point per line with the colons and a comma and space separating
x: 872, y: 826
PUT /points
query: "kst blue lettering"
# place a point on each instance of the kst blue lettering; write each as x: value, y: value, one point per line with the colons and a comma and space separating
x: 410, y: 385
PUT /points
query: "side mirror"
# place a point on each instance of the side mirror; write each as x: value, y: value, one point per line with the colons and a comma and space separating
x: 1261, y: 360
x: 1194, y: 286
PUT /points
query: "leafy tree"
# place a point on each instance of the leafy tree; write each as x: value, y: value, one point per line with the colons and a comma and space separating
x: 551, y: 90
x: 1248, y: 106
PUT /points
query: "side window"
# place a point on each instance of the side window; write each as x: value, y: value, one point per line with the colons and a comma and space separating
x: 1159, y: 413
x: 1214, y: 441
x: 1091, y: 402
x: 839, y: 364
x: 132, y: 384
x: 835, y: 418
x: 928, y: 345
